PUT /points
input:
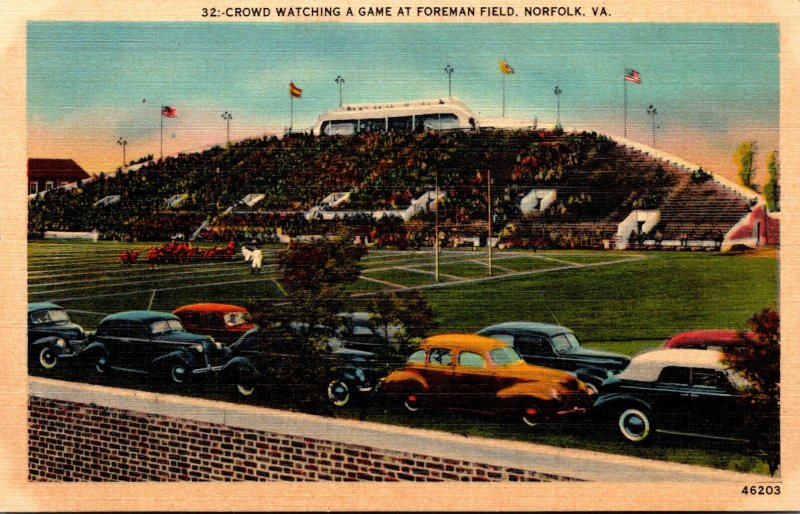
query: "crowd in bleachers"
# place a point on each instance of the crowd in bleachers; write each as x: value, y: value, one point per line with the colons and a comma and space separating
x: 597, y: 183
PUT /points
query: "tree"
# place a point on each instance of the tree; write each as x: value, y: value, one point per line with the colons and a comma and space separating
x: 759, y: 363
x: 772, y: 190
x: 411, y: 311
x: 745, y: 159
x: 315, y: 274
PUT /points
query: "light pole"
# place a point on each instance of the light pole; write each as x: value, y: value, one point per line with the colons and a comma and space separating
x: 557, y: 91
x: 652, y: 111
x: 228, y: 117
x: 449, y: 70
x: 123, y: 143
x: 339, y: 80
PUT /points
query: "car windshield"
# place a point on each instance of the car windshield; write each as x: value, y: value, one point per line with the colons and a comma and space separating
x: 49, y: 316
x: 566, y: 343
x: 233, y: 319
x: 505, y: 356
x: 166, y: 326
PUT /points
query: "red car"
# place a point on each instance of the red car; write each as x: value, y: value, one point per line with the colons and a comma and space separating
x: 705, y: 339
x: 225, y: 323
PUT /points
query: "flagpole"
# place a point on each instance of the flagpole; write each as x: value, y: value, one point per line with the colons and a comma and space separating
x: 161, y: 115
x: 504, y: 95
x: 291, y: 112
x: 625, y: 107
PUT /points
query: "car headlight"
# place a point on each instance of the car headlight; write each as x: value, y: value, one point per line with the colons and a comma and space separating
x: 554, y: 394
x: 360, y: 374
x: 61, y: 343
x: 199, y: 348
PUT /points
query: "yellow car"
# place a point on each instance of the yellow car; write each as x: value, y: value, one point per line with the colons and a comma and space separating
x: 472, y: 372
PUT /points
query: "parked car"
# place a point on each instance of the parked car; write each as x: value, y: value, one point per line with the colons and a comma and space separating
x: 357, y: 330
x: 683, y: 391
x: 472, y: 372
x: 352, y: 373
x: 225, y: 323
x: 156, y: 343
x: 713, y: 339
x: 554, y: 346
x: 52, y: 336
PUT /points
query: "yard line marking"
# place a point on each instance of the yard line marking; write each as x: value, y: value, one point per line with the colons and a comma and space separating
x: 205, y: 284
x: 89, y: 312
x: 517, y: 274
x: 494, y: 266
x: 390, y: 284
x: 108, y: 280
x: 409, y: 268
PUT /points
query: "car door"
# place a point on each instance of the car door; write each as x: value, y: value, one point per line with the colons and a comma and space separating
x: 671, y: 398
x: 439, y: 374
x: 474, y: 383
x: 715, y: 408
x: 536, y: 349
x: 135, y: 344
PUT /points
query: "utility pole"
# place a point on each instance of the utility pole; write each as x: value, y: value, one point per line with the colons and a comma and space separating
x: 489, y: 194
x: 436, y: 231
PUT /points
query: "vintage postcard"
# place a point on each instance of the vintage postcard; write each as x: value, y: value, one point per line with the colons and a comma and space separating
x: 362, y: 256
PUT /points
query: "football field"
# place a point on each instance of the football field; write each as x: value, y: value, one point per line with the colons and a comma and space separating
x: 618, y: 301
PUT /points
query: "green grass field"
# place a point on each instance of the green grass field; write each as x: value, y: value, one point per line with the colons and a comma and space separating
x: 618, y: 301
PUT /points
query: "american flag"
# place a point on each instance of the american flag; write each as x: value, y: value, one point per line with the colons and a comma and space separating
x: 632, y: 76
x: 169, y: 112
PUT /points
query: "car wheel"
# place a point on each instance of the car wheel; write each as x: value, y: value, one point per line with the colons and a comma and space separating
x: 338, y: 393
x: 531, y: 415
x: 48, y: 358
x: 101, y: 364
x: 179, y: 373
x: 246, y: 384
x: 412, y: 402
x: 635, y: 425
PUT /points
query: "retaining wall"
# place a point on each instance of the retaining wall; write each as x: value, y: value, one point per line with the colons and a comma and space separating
x: 80, y: 432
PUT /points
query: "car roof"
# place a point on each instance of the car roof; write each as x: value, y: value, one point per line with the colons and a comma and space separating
x: 144, y: 316
x: 210, y: 307
x: 646, y: 367
x: 35, y: 306
x: 529, y: 326
x: 463, y: 341
x: 720, y: 336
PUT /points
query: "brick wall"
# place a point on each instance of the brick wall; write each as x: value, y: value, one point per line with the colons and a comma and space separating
x: 83, y: 432
x: 81, y: 442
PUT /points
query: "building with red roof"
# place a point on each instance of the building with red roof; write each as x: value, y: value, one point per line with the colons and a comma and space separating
x: 47, y: 174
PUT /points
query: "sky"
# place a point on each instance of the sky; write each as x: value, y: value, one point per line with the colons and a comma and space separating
x: 90, y: 84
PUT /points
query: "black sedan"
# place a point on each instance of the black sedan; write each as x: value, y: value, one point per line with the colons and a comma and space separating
x: 554, y: 346
x: 155, y: 343
x: 52, y: 336
x: 351, y: 373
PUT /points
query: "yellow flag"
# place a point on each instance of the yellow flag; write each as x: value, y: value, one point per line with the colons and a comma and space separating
x: 505, y: 67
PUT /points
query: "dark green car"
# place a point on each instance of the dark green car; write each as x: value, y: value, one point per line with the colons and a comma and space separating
x: 52, y: 336
x: 155, y: 343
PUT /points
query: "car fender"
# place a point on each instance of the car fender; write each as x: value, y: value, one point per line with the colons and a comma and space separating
x: 610, y: 402
x: 238, y: 363
x: 180, y: 356
x: 592, y: 374
x: 50, y: 342
x: 399, y: 379
x: 538, y: 390
x: 93, y: 349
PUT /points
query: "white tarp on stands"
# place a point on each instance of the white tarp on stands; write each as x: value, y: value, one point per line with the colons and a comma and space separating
x: 51, y: 234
